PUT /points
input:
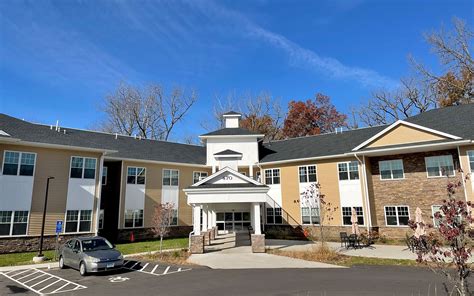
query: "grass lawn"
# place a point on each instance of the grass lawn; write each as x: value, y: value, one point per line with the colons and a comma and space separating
x: 129, y: 248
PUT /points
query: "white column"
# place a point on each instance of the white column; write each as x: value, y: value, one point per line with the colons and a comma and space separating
x: 197, y: 219
x: 214, y: 218
x: 256, y: 215
x: 204, y: 218
x: 251, y: 171
x: 213, y: 169
x: 209, y: 219
x: 252, y: 216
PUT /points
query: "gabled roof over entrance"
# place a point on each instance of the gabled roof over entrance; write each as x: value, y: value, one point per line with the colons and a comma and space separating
x: 403, y: 132
x: 228, y: 152
x: 227, y: 178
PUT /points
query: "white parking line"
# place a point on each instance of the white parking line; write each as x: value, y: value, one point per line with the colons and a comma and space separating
x: 154, y: 268
x: 168, y: 270
x: 58, y: 284
x: 144, y: 266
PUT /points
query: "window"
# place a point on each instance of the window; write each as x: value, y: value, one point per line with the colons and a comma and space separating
x: 174, y: 217
x: 133, y: 218
x: 439, y: 166
x: 397, y: 215
x: 272, y: 176
x: 136, y: 175
x: 198, y: 176
x: 435, y: 209
x: 104, y: 176
x: 78, y: 221
x: 83, y: 168
x: 101, y: 219
x: 19, y: 163
x: 310, y: 215
x: 13, y: 222
x: 347, y: 214
x: 170, y: 177
x: 307, y: 174
x: 391, y: 169
x: 348, y: 170
x: 470, y: 155
x: 274, y: 216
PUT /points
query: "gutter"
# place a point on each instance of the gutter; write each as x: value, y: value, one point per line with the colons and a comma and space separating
x: 158, y: 162
x: 99, y: 197
x: 58, y: 146
x: 462, y: 173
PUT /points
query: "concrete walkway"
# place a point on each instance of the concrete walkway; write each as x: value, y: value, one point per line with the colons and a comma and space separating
x: 234, y: 252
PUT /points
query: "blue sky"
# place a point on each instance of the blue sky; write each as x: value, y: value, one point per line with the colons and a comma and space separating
x: 58, y: 59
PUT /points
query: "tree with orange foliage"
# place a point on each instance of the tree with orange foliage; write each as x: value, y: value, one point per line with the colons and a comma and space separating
x: 312, y: 117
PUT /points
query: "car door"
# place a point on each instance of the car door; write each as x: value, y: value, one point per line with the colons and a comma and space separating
x: 66, y: 252
x: 76, y: 254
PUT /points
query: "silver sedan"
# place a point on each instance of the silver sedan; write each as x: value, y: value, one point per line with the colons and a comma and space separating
x: 90, y: 254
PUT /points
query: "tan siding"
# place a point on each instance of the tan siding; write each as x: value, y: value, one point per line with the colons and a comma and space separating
x: 469, y: 184
x: 290, y: 194
x: 153, y: 190
x: 50, y: 162
x: 403, y: 135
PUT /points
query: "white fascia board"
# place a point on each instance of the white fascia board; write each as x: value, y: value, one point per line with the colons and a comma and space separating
x: 224, y: 170
x: 303, y: 159
x: 231, y: 115
x: 59, y: 146
x: 226, y: 198
x: 227, y: 155
x: 9, y: 140
x: 399, y: 122
x: 157, y: 162
x: 197, y: 191
x: 232, y: 136
x: 412, y: 147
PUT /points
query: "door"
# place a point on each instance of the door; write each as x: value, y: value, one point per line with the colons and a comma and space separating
x: 76, y: 254
x: 230, y: 222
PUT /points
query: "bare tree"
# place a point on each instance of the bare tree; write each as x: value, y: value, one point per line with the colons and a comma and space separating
x: 148, y: 112
x: 162, y: 218
x: 260, y: 113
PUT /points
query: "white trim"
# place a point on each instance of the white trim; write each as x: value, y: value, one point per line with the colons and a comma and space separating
x: 19, y: 162
x: 12, y: 219
x: 363, y: 216
x: 399, y: 122
x: 265, y: 176
x: 414, y: 146
x: 99, y: 194
x: 78, y: 222
x: 224, y: 170
x: 432, y: 214
x: 463, y: 180
x: 64, y: 147
x: 367, y: 198
x: 157, y: 162
x: 171, y: 177
x: 348, y: 170
x: 396, y: 213
x: 305, y: 159
x: 232, y: 136
x: 439, y: 167
x: 200, y: 172
x: 136, y: 176
x: 83, y: 167
x: 259, y: 189
x: 133, y: 219
x: 307, y: 174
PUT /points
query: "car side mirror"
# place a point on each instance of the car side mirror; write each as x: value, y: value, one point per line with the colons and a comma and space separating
x: 113, y: 246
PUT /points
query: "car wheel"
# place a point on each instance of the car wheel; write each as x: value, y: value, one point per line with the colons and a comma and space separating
x: 82, y: 269
x: 61, y: 262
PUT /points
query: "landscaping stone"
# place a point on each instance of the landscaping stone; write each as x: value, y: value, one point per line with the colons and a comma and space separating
x: 197, y: 244
x: 258, y: 243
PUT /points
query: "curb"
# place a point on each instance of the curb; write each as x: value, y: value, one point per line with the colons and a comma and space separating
x: 54, y: 264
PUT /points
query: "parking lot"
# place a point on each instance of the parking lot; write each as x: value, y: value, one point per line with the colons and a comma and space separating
x: 32, y: 281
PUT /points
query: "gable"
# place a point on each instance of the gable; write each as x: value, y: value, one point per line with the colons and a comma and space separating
x: 227, y: 178
x: 403, y: 134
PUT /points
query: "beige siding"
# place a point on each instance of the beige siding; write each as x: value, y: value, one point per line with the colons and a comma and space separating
x: 404, y: 135
x: 153, y: 190
x: 468, y: 184
x: 50, y: 162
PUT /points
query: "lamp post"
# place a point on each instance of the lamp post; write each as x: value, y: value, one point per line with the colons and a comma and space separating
x: 40, y: 256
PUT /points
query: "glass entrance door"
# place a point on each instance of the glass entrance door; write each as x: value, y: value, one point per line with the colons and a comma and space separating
x: 228, y: 222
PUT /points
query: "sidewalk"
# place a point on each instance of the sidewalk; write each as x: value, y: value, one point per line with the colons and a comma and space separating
x: 373, y: 251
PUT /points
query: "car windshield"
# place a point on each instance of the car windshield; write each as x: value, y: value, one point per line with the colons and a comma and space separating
x: 96, y: 244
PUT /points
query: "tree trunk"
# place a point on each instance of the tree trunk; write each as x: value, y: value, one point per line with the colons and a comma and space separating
x: 161, y: 244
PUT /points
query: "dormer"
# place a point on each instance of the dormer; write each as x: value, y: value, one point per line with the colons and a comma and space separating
x: 232, y: 146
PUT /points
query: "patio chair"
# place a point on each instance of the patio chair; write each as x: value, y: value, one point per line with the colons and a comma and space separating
x: 344, y: 239
x: 354, y: 241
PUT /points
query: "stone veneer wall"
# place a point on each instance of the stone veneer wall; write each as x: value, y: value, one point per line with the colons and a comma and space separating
x: 147, y: 233
x: 415, y: 190
x: 31, y: 243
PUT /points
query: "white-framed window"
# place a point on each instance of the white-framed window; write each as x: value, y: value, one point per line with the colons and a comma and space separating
x: 435, y: 209
x: 307, y: 173
x: 19, y: 163
x: 133, y: 218
x: 274, y: 216
x: 13, y: 223
x: 174, y: 217
x: 272, y: 176
x: 83, y: 167
x: 170, y: 177
x: 310, y: 215
x: 397, y: 215
x: 347, y: 214
x: 78, y: 221
x: 348, y: 170
x: 470, y: 156
x: 439, y: 166
x: 198, y: 176
x: 243, y: 173
x: 136, y: 175
x: 101, y: 219
x: 391, y: 169
x: 104, y: 176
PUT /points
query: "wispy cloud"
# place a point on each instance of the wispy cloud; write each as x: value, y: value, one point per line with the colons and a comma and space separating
x: 298, y: 55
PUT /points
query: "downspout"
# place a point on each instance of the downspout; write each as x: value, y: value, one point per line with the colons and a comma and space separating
x: 264, y: 212
x: 462, y: 173
x: 99, y: 194
x: 369, y: 215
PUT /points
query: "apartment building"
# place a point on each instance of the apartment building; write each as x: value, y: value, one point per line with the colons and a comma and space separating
x: 108, y: 184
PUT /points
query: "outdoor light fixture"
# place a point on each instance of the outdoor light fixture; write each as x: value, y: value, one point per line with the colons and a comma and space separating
x: 40, y: 256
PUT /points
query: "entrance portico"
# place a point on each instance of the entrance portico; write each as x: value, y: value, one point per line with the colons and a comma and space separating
x: 224, y: 202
